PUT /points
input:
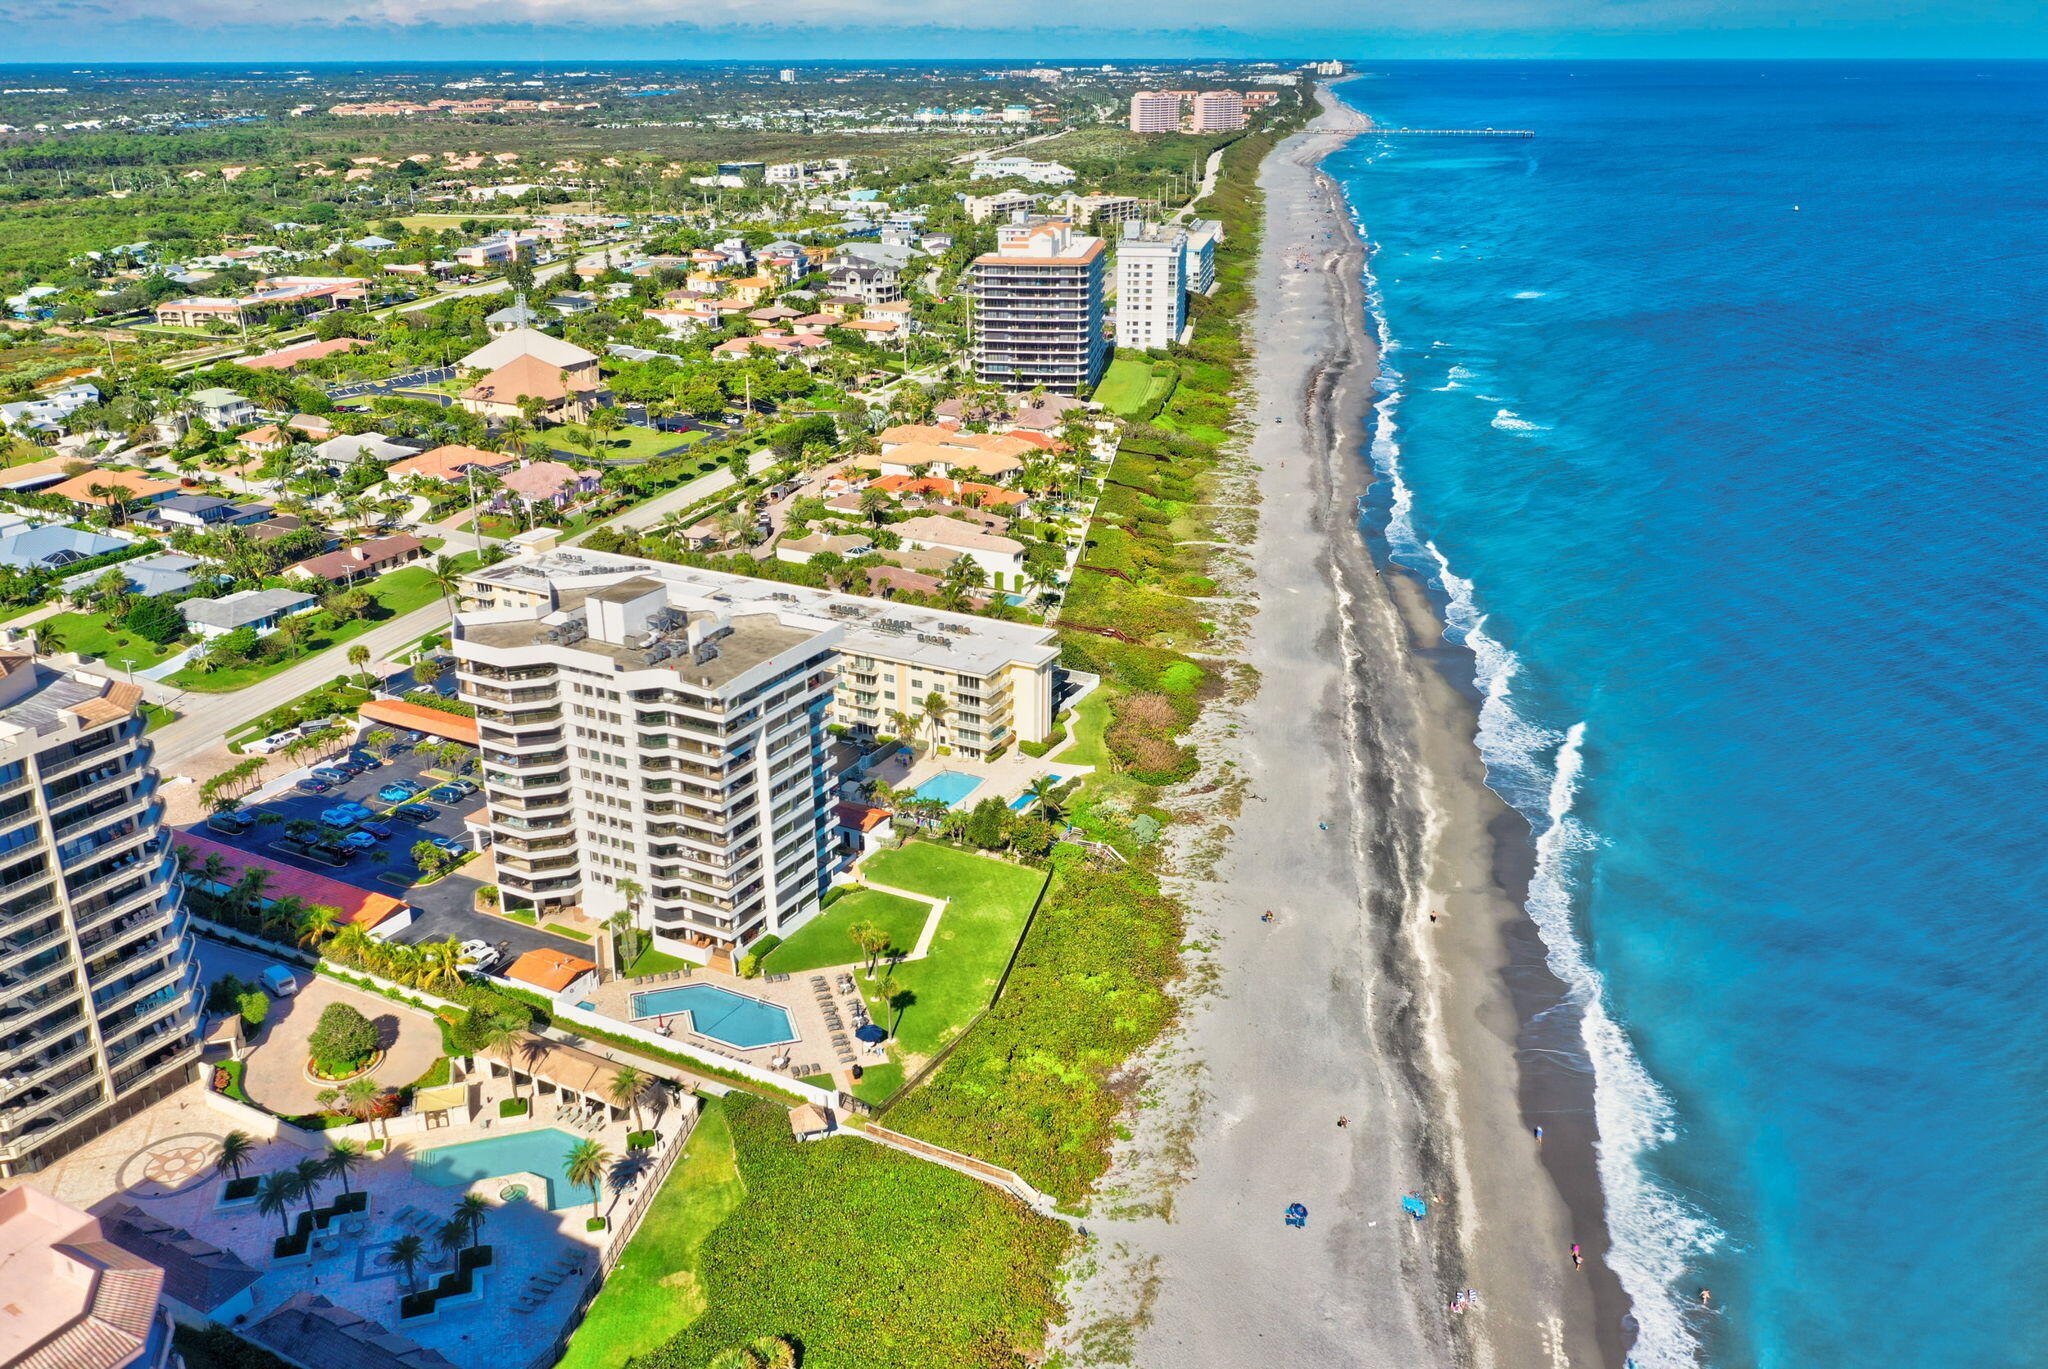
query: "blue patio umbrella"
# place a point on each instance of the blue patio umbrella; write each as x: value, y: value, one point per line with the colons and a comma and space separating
x: 871, y: 1032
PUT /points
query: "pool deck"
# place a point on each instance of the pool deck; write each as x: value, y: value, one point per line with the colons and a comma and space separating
x: 1009, y: 776
x: 796, y: 995
x: 181, y: 1134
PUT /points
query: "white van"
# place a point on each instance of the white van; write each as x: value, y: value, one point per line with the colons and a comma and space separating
x: 278, y: 982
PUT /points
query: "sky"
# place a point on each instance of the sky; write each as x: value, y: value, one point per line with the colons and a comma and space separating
x: 796, y: 30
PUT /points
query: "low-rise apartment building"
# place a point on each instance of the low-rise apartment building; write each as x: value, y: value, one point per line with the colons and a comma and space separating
x: 98, y: 997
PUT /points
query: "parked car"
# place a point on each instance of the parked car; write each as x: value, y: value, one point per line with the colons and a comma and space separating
x: 358, y: 841
x: 480, y: 955
x: 228, y: 824
x: 462, y: 787
x: 398, y: 791
x: 364, y: 761
x: 338, y: 817
x: 418, y: 814
x: 333, y: 774
x: 456, y: 844
x: 378, y: 828
x: 312, y: 786
x: 276, y: 741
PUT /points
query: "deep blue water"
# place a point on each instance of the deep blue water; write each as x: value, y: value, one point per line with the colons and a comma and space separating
x: 1721, y: 401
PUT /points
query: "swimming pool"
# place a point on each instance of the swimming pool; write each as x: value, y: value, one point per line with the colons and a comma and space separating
x: 719, y: 1014
x: 950, y: 785
x: 544, y: 1152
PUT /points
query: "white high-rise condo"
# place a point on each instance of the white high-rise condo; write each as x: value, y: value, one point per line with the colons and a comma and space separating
x: 654, y: 735
x: 99, y: 1003
x: 1151, y: 285
x: 1038, y: 308
x: 1155, y: 111
x: 1216, y: 111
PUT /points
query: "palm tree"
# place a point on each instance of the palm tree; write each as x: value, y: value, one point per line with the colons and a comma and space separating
x: 407, y: 1252
x: 362, y: 1098
x: 440, y: 962
x: 248, y: 890
x: 888, y: 992
x: 352, y: 942
x: 446, y: 578
x: 237, y: 1148
x: 472, y: 1210
x: 586, y: 1165
x: 321, y: 922
x: 627, y: 1086
x: 1045, y: 789
x: 49, y: 637
x: 870, y: 938
x: 310, y: 1173
x: 934, y: 708
x: 627, y: 1171
x: 279, y: 1191
x: 342, y: 1158
x: 358, y: 657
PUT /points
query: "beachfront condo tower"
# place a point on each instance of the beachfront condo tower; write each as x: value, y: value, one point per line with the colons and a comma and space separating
x: 1038, y: 308
x: 1151, y: 285
x: 1155, y: 111
x: 654, y: 735
x: 99, y: 1000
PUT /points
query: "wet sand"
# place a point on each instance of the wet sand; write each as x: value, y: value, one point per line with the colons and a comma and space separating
x: 1365, y: 811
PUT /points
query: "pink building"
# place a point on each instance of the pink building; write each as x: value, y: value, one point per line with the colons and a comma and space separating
x: 1154, y: 111
x: 74, y: 1299
x: 1217, y: 111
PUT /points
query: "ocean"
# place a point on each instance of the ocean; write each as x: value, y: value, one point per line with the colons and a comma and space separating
x: 1714, y: 420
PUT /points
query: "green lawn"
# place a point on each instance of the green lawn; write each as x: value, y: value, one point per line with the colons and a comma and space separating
x: 157, y: 715
x: 90, y: 634
x: 397, y: 594
x: 629, y: 443
x: 1124, y: 386
x: 823, y: 940
x: 655, y: 1291
x: 652, y: 961
x: 559, y: 930
x: 990, y: 900
x: 866, y: 1257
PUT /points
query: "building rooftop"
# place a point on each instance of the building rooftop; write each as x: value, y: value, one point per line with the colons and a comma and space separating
x: 952, y: 641
x: 73, y: 1299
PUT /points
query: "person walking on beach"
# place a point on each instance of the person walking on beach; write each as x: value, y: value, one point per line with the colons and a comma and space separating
x: 1578, y: 1260
x: 1539, y: 1136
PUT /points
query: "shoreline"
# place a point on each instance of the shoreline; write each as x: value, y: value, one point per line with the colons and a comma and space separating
x: 1352, y: 1003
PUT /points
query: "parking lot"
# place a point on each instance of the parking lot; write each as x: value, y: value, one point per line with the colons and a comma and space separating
x: 442, y: 909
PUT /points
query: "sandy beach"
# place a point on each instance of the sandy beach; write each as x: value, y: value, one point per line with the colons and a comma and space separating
x: 1364, y: 812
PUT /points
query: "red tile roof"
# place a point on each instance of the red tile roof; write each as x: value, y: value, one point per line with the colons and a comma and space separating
x: 357, y: 905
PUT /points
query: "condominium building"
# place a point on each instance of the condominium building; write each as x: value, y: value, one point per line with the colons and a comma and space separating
x: 1001, y: 206
x: 98, y: 997
x: 654, y: 735
x: 1038, y: 308
x: 1101, y: 212
x: 74, y: 1298
x: 1216, y: 111
x: 1151, y: 285
x: 1199, y: 270
x: 1155, y: 111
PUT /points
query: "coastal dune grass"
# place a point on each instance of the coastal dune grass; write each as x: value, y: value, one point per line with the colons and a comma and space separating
x: 865, y: 1256
x: 655, y: 1291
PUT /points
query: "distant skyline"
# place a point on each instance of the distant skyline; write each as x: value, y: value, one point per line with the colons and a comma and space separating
x: 822, y: 30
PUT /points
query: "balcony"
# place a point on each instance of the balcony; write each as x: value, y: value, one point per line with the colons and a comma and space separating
x: 495, y: 741
x: 527, y: 803
x: 558, y: 756
x: 57, y: 764
x: 37, y: 1068
x: 525, y: 718
x: 498, y: 674
x: 548, y: 824
x: 514, y: 698
x: 534, y: 886
x: 109, y: 1003
x: 525, y: 845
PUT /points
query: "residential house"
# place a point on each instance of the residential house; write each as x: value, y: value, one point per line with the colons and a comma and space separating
x: 524, y: 342
x: 513, y: 317
x: 565, y: 396
x: 261, y: 609
x: 453, y: 463
x: 208, y: 511
x: 375, y: 557
x: 54, y: 546
x: 1001, y: 557
x: 135, y: 490
x: 548, y: 483
x: 866, y: 284
x: 353, y: 447
x: 149, y: 576
x: 221, y: 409
x: 47, y: 412
x: 35, y: 475
x: 290, y: 357
x: 203, y: 1284
x: 801, y: 549
x: 680, y: 321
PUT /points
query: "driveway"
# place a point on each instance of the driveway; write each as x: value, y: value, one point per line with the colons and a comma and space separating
x: 275, y: 1075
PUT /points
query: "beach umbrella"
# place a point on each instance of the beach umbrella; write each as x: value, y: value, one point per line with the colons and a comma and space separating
x: 871, y: 1032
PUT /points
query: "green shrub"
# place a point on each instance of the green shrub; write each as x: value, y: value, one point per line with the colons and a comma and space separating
x: 750, y: 965
x: 343, y: 1041
x: 642, y: 1140
x: 254, y: 1007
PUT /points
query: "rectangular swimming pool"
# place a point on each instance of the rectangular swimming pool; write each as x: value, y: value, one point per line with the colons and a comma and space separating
x: 719, y: 1014
x: 951, y: 786
x: 544, y: 1152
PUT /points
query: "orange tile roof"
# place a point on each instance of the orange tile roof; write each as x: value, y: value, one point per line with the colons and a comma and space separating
x: 421, y: 718
x: 549, y: 969
x: 449, y: 462
x: 78, y: 488
x: 357, y: 905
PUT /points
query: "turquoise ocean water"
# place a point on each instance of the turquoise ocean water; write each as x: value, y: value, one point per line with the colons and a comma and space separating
x: 1715, y: 423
